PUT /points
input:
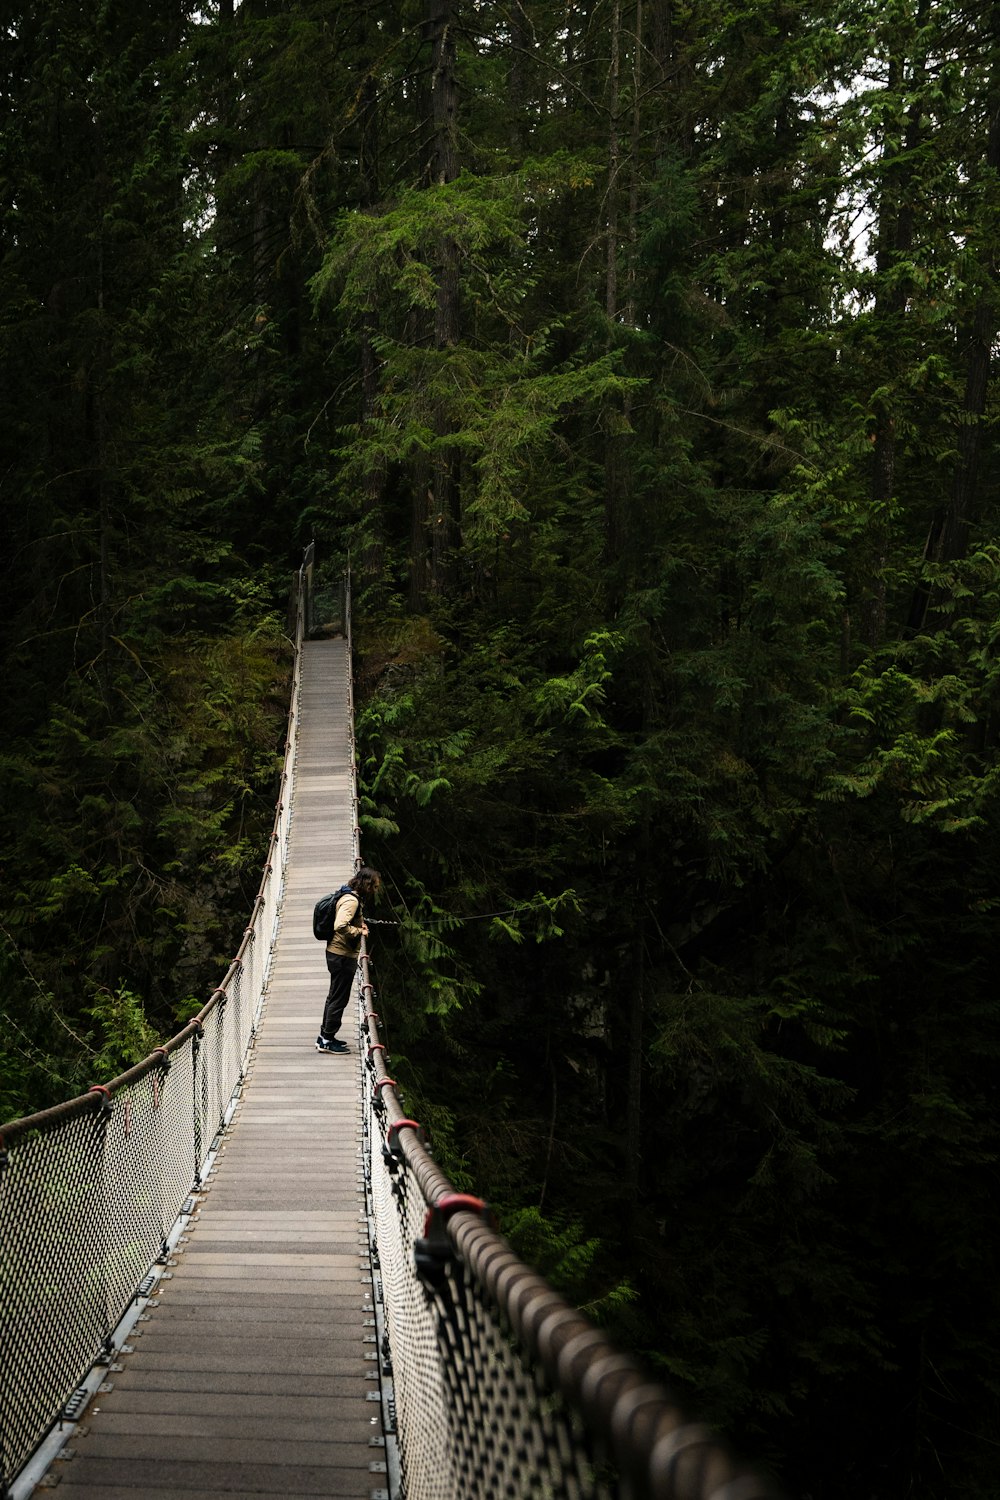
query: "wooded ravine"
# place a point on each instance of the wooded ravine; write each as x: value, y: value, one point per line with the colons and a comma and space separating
x: 641, y: 357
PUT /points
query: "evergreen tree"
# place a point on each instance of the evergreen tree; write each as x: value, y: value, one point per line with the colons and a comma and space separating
x: 642, y: 356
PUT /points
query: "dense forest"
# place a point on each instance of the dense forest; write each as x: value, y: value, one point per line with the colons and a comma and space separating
x: 639, y: 355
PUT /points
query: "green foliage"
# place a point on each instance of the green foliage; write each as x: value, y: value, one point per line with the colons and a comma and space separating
x: 654, y: 403
x: 567, y: 1261
x: 135, y: 837
x: 125, y: 1035
x: 577, y: 699
x: 497, y: 399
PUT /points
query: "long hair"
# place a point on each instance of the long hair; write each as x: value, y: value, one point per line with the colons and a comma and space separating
x: 366, y: 882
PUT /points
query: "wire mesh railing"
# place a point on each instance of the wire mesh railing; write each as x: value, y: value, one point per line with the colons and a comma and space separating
x: 90, y: 1189
x: 500, y: 1390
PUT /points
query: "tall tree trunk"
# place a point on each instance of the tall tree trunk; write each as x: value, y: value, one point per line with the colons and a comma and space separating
x: 614, y: 165
x: 895, y: 238
x: 372, y: 561
x: 961, y: 513
x: 633, y: 1083
x: 444, y: 495
x: 635, y: 157
x: 520, y: 40
x: 948, y: 539
x: 965, y: 487
x: 97, y: 422
x: 444, y: 112
x: 614, y: 417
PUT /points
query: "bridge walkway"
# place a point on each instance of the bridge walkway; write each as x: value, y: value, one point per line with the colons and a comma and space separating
x: 252, y: 1364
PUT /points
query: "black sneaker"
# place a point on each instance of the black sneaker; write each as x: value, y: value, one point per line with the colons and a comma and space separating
x: 333, y: 1045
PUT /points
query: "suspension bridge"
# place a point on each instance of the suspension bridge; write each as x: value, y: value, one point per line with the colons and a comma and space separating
x: 237, y: 1269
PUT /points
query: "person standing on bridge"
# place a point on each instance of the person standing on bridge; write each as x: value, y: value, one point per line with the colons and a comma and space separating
x: 349, y: 927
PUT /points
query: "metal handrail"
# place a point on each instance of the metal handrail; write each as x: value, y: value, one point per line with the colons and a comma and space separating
x: 658, y: 1452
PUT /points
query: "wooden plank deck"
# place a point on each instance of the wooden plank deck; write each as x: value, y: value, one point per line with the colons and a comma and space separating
x: 251, y: 1375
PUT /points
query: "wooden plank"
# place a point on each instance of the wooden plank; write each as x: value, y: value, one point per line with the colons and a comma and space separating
x: 208, y: 1449
x: 178, y: 1477
x: 351, y: 1389
x: 234, y: 1298
x: 346, y: 1359
x: 237, y: 1357
x: 354, y: 1420
x: 290, y: 1427
x: 146, y: 1491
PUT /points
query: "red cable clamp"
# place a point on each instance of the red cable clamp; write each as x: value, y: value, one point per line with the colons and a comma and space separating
x: 434, y: 1253
x: 378, y: 1103
x: 372, y: 1015
x: 453, y: 1203
x: 102, y: 1088
x: 375, y: 1047
x: 367, y: 986
x: 392, y: 1135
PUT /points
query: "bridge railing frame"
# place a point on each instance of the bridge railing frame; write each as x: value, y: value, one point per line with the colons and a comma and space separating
x: 91, y: 1190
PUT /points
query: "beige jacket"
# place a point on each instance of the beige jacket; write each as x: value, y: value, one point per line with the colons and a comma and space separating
x: 346, y: 938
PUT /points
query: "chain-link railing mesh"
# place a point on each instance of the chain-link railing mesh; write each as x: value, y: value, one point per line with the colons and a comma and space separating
x: 173, y: 1103
x: 499, y: 1389
x: 129, y: 1231
x: 502, y: 1390
x: 412, y: 1325
x: 535, y: 1447
x: 90, y: 1190
x: 51, y: 1297
x: 475, y: 1417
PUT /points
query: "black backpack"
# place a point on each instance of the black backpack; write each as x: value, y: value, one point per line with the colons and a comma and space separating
x: 325, y: 911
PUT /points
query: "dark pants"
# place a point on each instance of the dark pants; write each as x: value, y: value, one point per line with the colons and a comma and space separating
x: 342, y: 971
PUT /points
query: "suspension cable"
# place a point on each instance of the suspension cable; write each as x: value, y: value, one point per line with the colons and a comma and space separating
x: 485, y: 916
